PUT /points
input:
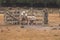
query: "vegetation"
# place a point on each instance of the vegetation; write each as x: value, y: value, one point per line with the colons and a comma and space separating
x: 39, y: 3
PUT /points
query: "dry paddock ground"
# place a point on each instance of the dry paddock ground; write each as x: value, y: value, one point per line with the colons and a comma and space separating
x: 17, y: 33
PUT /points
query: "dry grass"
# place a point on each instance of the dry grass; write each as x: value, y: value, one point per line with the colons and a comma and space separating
x: 17, y: 33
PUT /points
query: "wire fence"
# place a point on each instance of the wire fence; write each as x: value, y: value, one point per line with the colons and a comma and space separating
x: 36, y: 16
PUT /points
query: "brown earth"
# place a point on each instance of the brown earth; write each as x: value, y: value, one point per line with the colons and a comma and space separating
x: 17, y: 33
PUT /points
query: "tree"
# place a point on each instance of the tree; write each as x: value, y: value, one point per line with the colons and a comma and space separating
x: 58, y: 2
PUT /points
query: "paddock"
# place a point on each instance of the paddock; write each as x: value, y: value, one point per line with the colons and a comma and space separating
x: 14, y: 16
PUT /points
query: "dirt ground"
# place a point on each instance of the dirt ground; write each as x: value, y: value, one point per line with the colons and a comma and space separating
x: 18, y: 33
